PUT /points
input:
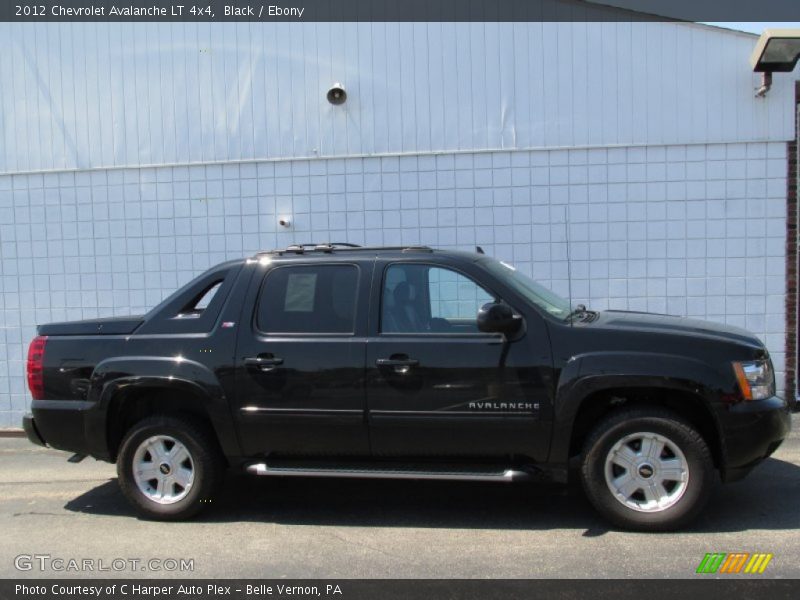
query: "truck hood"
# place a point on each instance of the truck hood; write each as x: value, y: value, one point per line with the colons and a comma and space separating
x: 656, y: 323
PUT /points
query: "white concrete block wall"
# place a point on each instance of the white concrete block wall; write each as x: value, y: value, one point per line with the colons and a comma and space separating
x: 80, y: 95
x: 695, y: 230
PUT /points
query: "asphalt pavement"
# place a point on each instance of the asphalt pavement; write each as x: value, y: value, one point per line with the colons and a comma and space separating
x: 302, y: 528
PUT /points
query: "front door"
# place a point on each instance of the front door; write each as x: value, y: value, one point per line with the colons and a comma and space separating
x: 300, y: 361
x: 438, y: 387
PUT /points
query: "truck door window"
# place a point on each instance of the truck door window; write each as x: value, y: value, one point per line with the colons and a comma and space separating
x: 420, y: 298
x: 309, y: 299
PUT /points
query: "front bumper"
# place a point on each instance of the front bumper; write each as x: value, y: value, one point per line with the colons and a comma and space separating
x: 752, y: 431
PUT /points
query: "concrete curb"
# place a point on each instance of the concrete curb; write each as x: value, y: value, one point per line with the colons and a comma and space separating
x: 11, y: 433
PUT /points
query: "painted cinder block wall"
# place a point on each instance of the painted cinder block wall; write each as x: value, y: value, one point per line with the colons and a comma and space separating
x: 134, y: 157
x: 693, y: 230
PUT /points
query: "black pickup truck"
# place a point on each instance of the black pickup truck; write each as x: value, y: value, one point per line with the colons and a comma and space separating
x: 338, y: 361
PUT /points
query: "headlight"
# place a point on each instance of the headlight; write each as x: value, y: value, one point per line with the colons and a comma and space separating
x: 756, y: 379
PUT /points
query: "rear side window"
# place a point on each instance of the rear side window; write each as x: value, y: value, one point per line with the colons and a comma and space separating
x: 308, y: 299
x: 195, y: 308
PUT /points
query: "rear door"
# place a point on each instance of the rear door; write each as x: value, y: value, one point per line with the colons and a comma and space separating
x: 300, y: 359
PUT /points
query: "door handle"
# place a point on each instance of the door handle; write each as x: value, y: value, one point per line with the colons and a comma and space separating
x: 263, y: 363
x: 400, y: 365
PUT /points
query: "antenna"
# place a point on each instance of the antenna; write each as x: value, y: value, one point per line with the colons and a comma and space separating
x: 569, y: 259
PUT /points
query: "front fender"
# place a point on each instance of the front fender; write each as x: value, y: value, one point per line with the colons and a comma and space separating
x: 588, y: 374
x: 115, y: 375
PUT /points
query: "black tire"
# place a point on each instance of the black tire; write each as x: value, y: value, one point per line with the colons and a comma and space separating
x: 206, y: 460
x: 681, y: 507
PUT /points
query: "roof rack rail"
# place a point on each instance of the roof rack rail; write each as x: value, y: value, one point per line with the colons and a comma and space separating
x: 301, y: 248
x: 331, y: 246
x: 324, y: 247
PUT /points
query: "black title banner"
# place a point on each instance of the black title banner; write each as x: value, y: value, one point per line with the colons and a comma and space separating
x: 406, y: 589
x: 398, y: 10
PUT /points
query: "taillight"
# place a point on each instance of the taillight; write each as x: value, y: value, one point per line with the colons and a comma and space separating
x: 36, y: 366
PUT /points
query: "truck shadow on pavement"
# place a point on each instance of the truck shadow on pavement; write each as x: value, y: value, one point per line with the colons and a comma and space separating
x: 765, y: 500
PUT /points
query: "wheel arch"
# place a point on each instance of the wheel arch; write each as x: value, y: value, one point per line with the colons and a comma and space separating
x: 688, y: 405
x: 127, y: 389
x: 132, y: 404
x: 592, y: 386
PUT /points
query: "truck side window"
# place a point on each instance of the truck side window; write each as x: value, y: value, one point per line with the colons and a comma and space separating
x: 420, y: 298
x: 308, y: 299
x: 195, y: 308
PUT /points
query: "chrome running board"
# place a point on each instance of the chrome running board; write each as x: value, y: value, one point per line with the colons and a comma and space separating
x: 384, y: 471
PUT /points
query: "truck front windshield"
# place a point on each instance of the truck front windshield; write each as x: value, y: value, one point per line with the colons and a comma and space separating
x: 527, y: 287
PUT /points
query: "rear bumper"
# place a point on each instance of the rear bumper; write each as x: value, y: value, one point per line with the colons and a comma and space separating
x: 752, y: 431
x: 60, y: 424
x: 29, y: 426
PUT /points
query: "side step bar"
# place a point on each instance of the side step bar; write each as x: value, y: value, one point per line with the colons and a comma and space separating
x: 436, y: 472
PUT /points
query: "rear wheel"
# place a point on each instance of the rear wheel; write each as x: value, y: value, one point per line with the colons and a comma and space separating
x: 647, y: 469
x: 169, y: 467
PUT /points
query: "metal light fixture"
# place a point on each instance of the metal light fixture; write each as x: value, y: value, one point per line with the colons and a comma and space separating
x: 777, y: 51
x: 336, y: 95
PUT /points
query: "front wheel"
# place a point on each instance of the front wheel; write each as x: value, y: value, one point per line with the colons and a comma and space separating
x: 169, y: 467
x: 647, y: 469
